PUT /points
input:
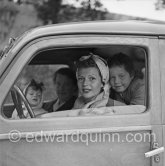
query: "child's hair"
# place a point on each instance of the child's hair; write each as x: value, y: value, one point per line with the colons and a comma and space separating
x: 66, y: 72
x: 35, y: 86
x: 122, y: 59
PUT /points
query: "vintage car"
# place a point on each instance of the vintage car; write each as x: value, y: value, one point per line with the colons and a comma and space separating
x: 125, y: 136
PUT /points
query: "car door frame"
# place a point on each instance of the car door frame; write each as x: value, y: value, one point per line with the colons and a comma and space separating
x: 162, y: 70
x: 150, y: 120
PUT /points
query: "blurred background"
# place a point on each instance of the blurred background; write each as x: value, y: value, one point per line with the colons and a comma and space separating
x: 18, y: 16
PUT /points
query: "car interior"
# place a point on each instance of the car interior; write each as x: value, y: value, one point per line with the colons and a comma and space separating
x: 46, y: 62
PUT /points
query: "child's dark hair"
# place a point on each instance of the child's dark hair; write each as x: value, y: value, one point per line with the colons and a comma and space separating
x: 122, y: 59
x: 35, y: 86
x: 66, y: 72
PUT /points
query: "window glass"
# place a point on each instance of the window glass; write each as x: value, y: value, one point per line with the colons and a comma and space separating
x: 84, y: 81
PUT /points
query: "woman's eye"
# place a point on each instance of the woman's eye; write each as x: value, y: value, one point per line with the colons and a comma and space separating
x: 92, y: 78
x: 80, y: 79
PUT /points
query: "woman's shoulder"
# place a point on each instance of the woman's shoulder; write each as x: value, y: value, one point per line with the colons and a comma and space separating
x: 110, y: 102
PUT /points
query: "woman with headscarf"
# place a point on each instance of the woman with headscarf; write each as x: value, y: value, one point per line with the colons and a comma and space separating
x: 92, y: 75
x: 93, y: 84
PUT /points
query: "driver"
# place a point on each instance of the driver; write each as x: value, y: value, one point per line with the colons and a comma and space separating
x: 34, y: 94
x: 65, y: 84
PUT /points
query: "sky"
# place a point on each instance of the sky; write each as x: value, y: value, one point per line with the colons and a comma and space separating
x: 139, y: 8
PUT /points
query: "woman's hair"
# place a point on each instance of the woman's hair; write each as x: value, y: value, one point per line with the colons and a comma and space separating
x: 85, y: 63
x: 92, y: 60
x: 35, y: 86
x: 66, y: 72
x: 122, y: 59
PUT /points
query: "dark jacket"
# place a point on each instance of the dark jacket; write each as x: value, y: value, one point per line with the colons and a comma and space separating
x: 66, y: 106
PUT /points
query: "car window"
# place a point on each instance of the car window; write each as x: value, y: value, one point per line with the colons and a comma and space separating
x: 126, y: 86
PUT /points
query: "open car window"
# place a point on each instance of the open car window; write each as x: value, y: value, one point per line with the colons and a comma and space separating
x: 45, y: 63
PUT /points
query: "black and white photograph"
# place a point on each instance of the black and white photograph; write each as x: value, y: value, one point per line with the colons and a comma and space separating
x: 82, y: 82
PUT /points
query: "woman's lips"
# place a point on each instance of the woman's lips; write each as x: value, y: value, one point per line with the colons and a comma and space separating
x: 86, y: 90
x: 118, y: 87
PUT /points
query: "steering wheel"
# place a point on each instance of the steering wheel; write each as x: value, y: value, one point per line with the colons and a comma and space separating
x: 18, y: 97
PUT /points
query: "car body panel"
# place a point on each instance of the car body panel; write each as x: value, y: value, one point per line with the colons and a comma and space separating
x: 71, y: 151
x: 162, y: 68
x: 162, y: 61
x: 163, y: 143
x: 85, y: 151
x: 97, y: 27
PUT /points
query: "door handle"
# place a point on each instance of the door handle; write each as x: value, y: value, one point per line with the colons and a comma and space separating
x: 154, y: 152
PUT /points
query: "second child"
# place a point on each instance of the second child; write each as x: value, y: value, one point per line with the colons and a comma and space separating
x: 34, y: 95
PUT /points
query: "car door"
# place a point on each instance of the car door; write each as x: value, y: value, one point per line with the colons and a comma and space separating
x: 161, y: 53
x: 119, y: 139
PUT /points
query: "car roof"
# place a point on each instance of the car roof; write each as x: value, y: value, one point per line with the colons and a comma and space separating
x: 106, y: 26
x: 127, y: 27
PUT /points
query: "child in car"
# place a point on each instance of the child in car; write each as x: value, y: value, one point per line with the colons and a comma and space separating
x: 126, y: 87
x: 34, y: 95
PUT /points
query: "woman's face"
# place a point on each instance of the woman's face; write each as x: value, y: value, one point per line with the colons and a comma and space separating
x: 33, y: 96
x: 89, y: 83
x: 120, y: 79
x: 65, y: 87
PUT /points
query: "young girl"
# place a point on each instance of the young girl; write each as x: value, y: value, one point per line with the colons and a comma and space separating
x: 34, y: 95
x: 126, y: 87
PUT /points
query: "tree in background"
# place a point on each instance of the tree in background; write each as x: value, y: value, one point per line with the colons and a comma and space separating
x: 160, y: 4
x: 92, y: 10
x: 8, y: 12
x: 48, y: 11
x: 55, y: 11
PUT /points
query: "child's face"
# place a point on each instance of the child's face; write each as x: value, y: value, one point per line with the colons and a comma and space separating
x: 89, y: 82
x: 120, y: 79
x: 33, y: 96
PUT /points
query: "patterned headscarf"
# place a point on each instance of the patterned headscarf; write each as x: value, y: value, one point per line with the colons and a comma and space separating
x: 102, y: 98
